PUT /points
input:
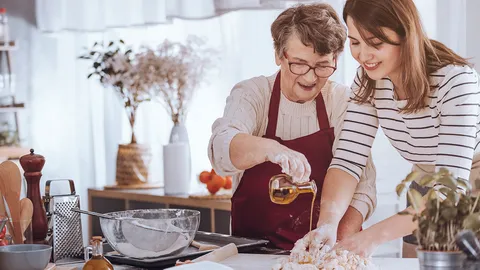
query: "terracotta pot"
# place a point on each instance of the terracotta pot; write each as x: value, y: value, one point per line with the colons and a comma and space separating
x: 133, y: 162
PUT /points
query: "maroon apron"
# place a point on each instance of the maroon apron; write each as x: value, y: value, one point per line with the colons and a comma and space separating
x: 253, y: 214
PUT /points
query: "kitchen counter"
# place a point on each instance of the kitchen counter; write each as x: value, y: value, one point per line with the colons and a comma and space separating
x: 265, y: 262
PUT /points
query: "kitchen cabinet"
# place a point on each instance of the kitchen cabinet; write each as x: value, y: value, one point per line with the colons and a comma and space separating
x: 214, y: 214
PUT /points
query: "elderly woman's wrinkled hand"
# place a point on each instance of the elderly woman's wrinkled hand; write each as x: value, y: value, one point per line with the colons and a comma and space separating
x: 292, y: 162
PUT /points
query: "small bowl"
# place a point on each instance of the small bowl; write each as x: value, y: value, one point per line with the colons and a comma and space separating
x: 150, y: 233
x: 25, y: 257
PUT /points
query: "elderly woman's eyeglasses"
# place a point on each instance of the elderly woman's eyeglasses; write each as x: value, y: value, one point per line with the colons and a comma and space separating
x: 302, y: 68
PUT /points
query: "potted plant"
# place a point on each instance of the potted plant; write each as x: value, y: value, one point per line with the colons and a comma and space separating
x: 448, y: 208
x: 117, y: 68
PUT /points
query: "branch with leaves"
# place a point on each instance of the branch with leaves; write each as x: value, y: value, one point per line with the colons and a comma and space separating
x: 116, y: 66
x: 446, y: 209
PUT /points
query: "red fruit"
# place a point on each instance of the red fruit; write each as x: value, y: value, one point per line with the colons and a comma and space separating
x: 3, y: 232
x: 3, y: 242
x: 215, y: 184
x: 205, y: 177
x: 212, y: 188
x: 228, y: 182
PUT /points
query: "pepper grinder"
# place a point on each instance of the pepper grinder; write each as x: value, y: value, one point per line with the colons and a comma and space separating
x: 33, y: 164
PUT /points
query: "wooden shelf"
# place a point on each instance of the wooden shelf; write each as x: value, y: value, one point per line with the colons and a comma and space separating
x: 11, y: 46
x: 12, y: 152
x: 12, y: 108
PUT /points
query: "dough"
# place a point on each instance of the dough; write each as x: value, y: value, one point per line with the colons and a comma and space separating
x: 323, y: 259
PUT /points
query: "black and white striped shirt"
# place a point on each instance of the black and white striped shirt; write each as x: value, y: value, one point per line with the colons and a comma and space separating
x: 445, y: 134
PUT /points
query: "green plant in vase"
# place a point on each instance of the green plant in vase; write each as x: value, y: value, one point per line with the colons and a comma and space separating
x: 446, y: 209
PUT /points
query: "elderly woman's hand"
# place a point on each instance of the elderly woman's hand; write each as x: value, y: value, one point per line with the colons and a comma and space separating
x: 292, y: 162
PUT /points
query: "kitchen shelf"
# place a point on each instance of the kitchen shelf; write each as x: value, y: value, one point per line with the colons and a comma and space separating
x: 12, y: 108
x: 11, y: 46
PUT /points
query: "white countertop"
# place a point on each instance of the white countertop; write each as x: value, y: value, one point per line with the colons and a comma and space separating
x: 265, y: 262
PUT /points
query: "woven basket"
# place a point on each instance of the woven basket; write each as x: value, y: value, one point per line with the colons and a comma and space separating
x: 133, y: 162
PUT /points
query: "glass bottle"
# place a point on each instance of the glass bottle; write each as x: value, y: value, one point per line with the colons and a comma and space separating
x: 97, y: 261
x: 283, y: 190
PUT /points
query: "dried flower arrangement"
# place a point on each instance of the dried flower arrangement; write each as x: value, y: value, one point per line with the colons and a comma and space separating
x: 175, y: 71
x: 444, y: 211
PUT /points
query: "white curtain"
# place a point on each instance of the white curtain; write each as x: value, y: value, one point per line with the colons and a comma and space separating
x: 100, y: 15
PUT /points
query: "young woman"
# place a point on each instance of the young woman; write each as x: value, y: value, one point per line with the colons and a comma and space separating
x: 288, y: 121
x: 425, y: 97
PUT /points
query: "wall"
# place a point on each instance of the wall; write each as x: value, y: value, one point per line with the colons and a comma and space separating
x: 473, y: 32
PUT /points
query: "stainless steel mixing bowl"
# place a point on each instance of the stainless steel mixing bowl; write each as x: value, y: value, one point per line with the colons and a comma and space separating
x: 150, y: 233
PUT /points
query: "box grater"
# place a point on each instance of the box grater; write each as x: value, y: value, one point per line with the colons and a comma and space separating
x: 64, y: 225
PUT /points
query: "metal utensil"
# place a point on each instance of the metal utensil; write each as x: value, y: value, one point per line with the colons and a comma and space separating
x: 64, y: 226
x: 468, y: 242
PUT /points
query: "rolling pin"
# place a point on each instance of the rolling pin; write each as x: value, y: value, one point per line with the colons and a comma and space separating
x: 219, y: 254
x: 203, y: 247
x: 216, y: 255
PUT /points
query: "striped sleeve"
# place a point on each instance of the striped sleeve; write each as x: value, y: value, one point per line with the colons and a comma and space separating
x: 356, y: 138
x: 458, y: 99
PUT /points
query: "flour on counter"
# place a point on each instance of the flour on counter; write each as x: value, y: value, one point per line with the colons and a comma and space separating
x: 323, y: 259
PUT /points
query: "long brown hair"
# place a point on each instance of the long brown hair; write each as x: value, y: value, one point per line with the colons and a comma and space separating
x: 420, y: 56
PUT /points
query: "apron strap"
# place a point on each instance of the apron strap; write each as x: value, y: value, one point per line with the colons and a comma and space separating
x: 273, y: 108
x: 274, y: 105
x: 322, y: 112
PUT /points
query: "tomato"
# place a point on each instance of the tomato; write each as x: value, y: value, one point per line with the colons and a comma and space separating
x: 3, y: 242
x: 3, y: 232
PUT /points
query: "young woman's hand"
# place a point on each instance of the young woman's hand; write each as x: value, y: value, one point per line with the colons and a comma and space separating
x: 361, y: 243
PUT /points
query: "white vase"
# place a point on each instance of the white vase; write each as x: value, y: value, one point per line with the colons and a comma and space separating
x: 177, y: 164
x: 179, y: 133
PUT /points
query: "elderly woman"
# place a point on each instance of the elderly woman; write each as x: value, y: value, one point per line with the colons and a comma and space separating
x: 288, y: 122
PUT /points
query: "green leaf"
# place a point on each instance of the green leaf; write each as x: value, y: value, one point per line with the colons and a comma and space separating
x: 449, y: 182
x: 465, y: 184
x: 415, y: 199
x: 431, y: 195
x: 472, y: 222
x: 404, y: 213
x: 89, y: 75
x: 96, y: 65
x: 443, y: 171
x: 399, y: 189
x: 426, y: 180
x: 411, y: 177
x: 121, y: 41
x: 110, y: 44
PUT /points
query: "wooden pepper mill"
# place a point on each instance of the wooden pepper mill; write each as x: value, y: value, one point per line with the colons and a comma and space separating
x: 32, y: 164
